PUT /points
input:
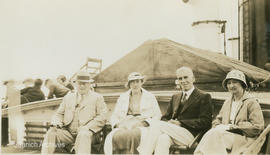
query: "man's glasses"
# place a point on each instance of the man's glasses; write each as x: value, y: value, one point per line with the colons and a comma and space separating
x: 177, y: 81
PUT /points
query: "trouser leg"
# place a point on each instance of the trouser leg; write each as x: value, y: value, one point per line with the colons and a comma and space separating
x: 171, y: 134
x: 83, y: 141
x: 179, y: 135
x: 55, y: 138
x: 149, y: 144
x: 108, y: 142
x: 163, y: 144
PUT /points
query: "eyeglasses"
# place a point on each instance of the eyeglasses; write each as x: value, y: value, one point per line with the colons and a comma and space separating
x: 182, y: 78
x: 178, y: 79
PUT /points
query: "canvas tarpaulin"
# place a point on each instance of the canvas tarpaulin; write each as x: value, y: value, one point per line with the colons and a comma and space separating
x: 159, y: 59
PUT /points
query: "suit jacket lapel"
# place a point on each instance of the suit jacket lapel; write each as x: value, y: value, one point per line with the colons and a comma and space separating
x: 245, y: 96
x: 237, y: 111
x: 176, y: 103
x: 143, y: 101
x: 192, y: 99
x: 126, y: 105
x: 85, y: 101
x: 226, y: 111
x: 73, y: 102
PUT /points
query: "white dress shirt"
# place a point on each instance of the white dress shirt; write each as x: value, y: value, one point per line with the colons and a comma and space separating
x: 189, y: 92
x: 234, y: 107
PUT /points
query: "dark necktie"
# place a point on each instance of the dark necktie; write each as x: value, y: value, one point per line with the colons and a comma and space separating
x: 180, y: 106
x: 184, y: 98
x: 79, y: 101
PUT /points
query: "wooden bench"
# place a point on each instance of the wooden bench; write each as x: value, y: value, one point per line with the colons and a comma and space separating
x: 35, y: 132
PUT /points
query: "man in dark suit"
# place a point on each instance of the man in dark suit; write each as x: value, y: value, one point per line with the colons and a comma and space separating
x: 189, y: 112
x: 31, y: 94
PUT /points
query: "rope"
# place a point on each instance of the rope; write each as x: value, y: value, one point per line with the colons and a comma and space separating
x: 255, y: 86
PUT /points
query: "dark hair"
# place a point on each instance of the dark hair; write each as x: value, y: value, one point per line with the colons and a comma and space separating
x: 62, y: 78
x: 128, y: 83
x: 248, y: 81
x: 241, y: 82
x: 38, y: 82
x: 5, y: 82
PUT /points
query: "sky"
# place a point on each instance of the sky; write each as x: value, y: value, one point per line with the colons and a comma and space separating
x: 46, y: 38
x: 43, y: 39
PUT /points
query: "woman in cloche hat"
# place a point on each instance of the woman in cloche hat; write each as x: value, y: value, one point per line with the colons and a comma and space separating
x: 238, y: 123
x: 133, y: 113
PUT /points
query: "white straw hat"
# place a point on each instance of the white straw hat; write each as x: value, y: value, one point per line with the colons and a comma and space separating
x: 84, y: 76
x: 234, y: 74
x: 134, y: 76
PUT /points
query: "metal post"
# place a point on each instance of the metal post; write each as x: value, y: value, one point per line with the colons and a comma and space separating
x: 224, y: 24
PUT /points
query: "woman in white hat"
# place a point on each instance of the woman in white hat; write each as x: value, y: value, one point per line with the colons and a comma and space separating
x: 238, y: 123
x: 133, y: 112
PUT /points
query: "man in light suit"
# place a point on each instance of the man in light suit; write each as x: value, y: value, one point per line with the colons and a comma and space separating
x: 189, y: 112
x: 80, y: 115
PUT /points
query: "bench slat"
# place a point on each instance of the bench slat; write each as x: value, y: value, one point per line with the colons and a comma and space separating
x: 32, y: 131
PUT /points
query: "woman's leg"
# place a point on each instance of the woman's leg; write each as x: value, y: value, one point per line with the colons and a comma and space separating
x: 126, y: 141
x: 83, y: 141
x: 216, y: 141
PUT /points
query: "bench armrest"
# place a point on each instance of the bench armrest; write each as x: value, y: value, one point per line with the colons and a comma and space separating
x: 196, y: 139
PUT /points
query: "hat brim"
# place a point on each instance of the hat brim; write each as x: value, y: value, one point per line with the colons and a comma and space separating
x: 136, y: 78
x: 88, y: 81
x: 224, y: 82
x: 127, y: 83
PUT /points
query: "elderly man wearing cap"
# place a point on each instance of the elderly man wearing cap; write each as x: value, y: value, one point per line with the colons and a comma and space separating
x: 80, y: 115
x: 133, y: 113
x: 238, y: 123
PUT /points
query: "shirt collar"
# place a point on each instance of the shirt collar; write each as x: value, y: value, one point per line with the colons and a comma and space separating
x: 79, y: 96
x: 188, y: 93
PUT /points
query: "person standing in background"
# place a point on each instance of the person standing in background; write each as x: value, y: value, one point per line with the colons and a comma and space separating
x: 63, y: 80
x: 55, y: 89
x: 28, y: 82
x: 31, y: 94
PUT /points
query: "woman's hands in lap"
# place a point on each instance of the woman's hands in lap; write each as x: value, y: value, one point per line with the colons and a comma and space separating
x: 131, y: 122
